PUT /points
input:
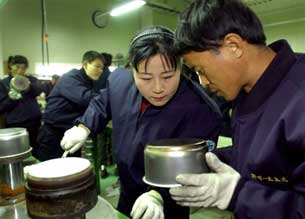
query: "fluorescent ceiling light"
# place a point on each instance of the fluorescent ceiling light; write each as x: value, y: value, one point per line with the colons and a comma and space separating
x: 127, y: 7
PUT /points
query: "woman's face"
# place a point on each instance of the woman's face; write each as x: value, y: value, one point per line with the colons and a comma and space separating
x: 18, y: 69
x: 157, y: 82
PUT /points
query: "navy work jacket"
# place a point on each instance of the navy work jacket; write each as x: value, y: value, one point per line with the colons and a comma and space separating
x: 68, y: 99
x: 269, y: 141
x: 23, y: 111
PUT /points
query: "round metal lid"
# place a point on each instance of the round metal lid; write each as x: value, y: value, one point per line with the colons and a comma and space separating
x: 59, y: 173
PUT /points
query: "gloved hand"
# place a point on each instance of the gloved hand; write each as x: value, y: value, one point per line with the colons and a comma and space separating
x: 14, y: 94
x: 74, y: 138
x: 207, y: 189
x: 148, y: 206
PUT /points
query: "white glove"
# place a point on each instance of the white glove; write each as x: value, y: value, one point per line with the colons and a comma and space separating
x: 14, y: 94
x: 74, y: 138
x: 148, y: 206
x: 207, y: 189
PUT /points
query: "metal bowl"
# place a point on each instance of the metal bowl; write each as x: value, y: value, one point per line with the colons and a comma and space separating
x: 20, y: 83
x: 14, y: 144
x: 165, y: 159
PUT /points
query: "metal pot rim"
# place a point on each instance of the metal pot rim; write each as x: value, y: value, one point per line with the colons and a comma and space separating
x: 9, y: 133
x: 191, y: 145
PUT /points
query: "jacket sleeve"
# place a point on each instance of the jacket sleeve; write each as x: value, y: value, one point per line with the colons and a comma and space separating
x: 98, y: 113
x: 264, y: 202
x: 287, y: 198
x: 6, y: 104
x: 76, y: 91
x: 35, y: 87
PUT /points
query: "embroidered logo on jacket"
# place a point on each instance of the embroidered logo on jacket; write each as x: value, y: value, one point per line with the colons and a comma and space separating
x: 269, y: 179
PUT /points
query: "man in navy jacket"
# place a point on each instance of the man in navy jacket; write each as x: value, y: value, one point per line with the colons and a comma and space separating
x: 68, y: 100
x: 262, y: 175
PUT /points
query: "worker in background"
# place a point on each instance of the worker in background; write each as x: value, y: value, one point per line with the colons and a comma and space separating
x: 101, y: 82
x: 68, y: 100
x: 18, y: 98
x: 262, y: 175
x: 49, y: 85
x: 152, y: 102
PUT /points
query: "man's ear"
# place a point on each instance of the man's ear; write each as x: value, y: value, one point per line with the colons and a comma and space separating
x: 235, y: 44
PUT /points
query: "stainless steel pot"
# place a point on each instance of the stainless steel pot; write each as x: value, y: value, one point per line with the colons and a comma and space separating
x: 165, y: 159
x: 14, y: 147
x: 20, y: 83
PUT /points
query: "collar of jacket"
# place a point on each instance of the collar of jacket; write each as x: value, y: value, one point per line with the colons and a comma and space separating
x: 271, y: 78
x: 85, y: 76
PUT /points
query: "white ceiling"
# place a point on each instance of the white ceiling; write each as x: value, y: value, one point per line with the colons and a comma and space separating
x: 271, y: 6
x: 261, y: 7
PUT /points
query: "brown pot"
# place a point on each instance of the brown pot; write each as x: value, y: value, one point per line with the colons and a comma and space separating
x: 61, y: 197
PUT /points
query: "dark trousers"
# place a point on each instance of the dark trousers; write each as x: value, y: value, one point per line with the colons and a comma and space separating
x: 103, y: 142
x: 48, y: 139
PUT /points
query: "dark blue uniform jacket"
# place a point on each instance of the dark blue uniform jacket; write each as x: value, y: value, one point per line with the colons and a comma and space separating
x: 23, y: 111
x: 69, y: 99
x: 186, y: 115
x: 269, y: 141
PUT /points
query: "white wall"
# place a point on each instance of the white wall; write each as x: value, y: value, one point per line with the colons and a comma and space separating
x: 289, y: 24
x: 71, y: 31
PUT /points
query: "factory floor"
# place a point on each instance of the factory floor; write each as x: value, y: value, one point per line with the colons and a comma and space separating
x: 110, y: 191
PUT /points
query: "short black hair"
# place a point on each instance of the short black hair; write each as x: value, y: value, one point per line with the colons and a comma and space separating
x: 107, y: 58
x: 17, y: 59
x: 150, y: 42
x: 91, y: 55
x: 204, y: 24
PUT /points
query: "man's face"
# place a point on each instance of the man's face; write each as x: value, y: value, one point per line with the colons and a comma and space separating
x: 217, y: 70
x: 94, y: 69
x: 18, y: 69
x: 157, y: 82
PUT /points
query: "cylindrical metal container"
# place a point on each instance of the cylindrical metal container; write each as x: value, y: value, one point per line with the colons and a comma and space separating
x: 60, y: 188
x: 20, y: 83
x: 165, y: 159
x: 14, y: 147
x: 11, y: 183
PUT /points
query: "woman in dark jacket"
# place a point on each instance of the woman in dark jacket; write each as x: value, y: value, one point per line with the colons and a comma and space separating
x: 18, y: 98
x: 152, y: 102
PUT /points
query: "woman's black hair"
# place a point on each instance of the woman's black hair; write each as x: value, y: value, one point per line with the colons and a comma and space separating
x: 204, y: 24
x: 150, y: 42
x: 17, y: 59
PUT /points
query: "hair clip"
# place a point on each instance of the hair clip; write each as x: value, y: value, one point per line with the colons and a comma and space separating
x: 152, y: 33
